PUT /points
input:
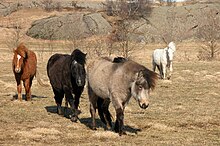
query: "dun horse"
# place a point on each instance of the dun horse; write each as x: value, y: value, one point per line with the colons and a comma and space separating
x: 24, y: 66
x: 117, y: 82
x: 67, y: 76
x: 163, y: 58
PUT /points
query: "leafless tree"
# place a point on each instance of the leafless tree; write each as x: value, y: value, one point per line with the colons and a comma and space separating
x: 125, y: 10
x: 209, y: 35
x: 15, y: 37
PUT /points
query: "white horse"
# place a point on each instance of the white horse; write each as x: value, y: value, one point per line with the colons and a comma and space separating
x: 163, y: 58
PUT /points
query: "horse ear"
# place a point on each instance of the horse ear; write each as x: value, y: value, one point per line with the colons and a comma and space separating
x: 140, y: 74
x: 26, y: 55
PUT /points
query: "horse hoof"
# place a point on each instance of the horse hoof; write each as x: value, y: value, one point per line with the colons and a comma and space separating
x: 93, y: 128
x: 13, y: 99
x: 78, y: 112
x: 122, y: 133
x: 59, y: 113
x: 74, y: 118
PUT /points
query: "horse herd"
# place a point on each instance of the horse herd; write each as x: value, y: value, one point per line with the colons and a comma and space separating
x: 108, y: 80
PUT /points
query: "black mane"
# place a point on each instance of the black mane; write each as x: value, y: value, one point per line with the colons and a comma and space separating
x: 119, y: 60
x: 79, y: 56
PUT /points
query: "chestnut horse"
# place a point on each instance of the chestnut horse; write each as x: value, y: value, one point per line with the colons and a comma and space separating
x: 24, y: 66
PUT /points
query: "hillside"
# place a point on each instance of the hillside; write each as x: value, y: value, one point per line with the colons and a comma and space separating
x: 68, y: 21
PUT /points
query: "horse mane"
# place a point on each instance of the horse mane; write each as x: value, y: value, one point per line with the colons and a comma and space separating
x: 22, y: 50
x: 151, y: 77
x: 172, y: 45
x: 119, y: 60
x: 79, y: 56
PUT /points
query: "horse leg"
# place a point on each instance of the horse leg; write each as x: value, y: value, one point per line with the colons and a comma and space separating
x: 171, y: 70
x: 27, y: 89
x: 71, y: 101
x: 93, y: 102
x: 58, y: 96
x: 77, y: 98
x: 100, y: 102
x: 154, y: 66
x: 66, y: 107
x: 119, y: 124
x: 160, y: 70
x: 107, y: 114
x: 19, y: 89
x: 164, y: 71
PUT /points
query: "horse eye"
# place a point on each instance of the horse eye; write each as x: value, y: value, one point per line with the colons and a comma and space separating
x: 139, y: 87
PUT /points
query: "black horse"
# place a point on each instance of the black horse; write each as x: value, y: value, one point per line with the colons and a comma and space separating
x: 67, y: 76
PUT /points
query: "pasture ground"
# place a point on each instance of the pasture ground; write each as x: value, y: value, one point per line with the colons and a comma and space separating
x: 183, y: 111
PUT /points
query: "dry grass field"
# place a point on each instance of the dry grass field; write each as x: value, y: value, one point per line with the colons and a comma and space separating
x: 183, y: 111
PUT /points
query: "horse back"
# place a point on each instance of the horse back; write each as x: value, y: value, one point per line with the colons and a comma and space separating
x: 30, y: 66
x: 99, y: 74
x: 32, y: 59
x: 55, y: 67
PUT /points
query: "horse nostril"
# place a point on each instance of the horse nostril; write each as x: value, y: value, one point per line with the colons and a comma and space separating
x: 79, y: 83
x: 144, y: 106
x: 17, y: 70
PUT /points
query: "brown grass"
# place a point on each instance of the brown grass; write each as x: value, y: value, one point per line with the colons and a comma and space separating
x: 183, y: 111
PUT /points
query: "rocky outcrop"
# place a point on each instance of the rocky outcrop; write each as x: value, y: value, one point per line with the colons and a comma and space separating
x: 69, y: 26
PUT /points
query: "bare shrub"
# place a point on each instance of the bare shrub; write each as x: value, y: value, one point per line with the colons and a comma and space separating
x: 168, y: 2
x: 208, y: 34
x: 16, y: 37
x: 126, y: 11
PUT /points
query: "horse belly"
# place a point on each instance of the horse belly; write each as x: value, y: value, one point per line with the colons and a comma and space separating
x: 99, y: 88
x: 98, y: 78
x: 156, y: 57
x: 29, y: 70
x: 55, y: 78
x: 159, y: 57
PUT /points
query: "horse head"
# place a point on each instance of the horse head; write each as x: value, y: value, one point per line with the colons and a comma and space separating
x: 78, y: 72
x: 18, y: 60
x: 140, y: 90
x: 78, y: 68
x: 170, y: 51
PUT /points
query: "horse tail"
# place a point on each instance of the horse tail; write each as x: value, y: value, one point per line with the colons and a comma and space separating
x: 37, y: 75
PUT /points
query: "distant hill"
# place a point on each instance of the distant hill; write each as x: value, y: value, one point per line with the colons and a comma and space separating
x: 86, y: 19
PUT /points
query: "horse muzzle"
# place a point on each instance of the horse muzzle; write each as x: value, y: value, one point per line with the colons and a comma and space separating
x: 144, y: 106
x: 80, y: 83
x: 17, y: 70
